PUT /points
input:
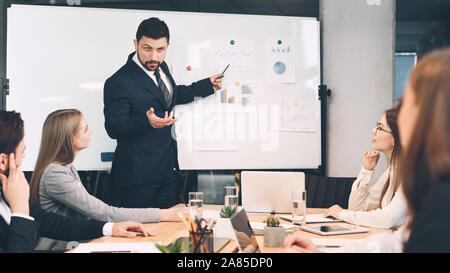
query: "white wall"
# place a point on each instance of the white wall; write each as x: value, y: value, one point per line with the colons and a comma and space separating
x: 358, y: 66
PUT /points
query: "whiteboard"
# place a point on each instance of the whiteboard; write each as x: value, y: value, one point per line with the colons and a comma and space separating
x: 267, y: 116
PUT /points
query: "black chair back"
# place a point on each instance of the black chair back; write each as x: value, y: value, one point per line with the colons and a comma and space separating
x: 323, y: 192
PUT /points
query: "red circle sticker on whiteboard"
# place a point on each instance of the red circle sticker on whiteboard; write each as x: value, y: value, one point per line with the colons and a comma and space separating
x: 189, y: 68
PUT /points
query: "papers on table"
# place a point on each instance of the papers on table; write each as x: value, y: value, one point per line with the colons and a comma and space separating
x: 147, y: 247
x: 313, y: 219
x: 331, y: 244
x: 258, y: 227
x: 210, y: 214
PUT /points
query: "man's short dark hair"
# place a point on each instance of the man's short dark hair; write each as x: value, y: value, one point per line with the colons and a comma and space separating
x: 11, y: 131
x: 152, y: 28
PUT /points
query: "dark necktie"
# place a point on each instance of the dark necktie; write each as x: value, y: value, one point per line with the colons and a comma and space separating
x: 163, y: 87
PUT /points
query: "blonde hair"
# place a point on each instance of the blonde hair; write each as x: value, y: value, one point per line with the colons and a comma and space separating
x: 58, y: 133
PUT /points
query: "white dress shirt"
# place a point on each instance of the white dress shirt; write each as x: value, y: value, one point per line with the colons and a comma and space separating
x: 5, y: 211
x: 152, y: 75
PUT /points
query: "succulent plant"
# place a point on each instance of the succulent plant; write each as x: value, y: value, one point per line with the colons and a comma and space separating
x: 227, y: 212
x: 272, y: 221
x: 178, y: 246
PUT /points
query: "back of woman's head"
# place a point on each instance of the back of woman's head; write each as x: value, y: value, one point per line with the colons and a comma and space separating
x: 426, y: 159
x: 58, y: 133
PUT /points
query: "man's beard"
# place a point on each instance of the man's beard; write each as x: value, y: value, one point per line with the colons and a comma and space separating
x: 147, y: 64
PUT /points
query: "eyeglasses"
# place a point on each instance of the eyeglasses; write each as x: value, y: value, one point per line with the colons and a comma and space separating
x: 381, y: 129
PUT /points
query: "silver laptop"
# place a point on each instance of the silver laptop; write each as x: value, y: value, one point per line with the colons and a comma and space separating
x: 268, y: 192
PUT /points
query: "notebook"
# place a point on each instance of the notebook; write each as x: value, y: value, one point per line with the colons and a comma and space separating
x: 313, y: 219
x: 137, y: 247
x: 258, y: 227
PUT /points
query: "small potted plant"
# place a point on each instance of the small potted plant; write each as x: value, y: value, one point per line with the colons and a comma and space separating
x: 178, y: 246
x: 224, y: 228
x: 227, y: 212
x: 273, y: 233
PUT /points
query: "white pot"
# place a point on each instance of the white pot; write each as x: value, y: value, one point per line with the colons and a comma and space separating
x: 274, y: 236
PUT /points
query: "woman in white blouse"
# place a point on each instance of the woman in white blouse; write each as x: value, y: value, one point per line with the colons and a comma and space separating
x: 378, y: 204
x: 424, y: 167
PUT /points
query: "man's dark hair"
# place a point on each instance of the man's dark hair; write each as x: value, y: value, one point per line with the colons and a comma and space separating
x: 11, y: 131
x: 152, y: 28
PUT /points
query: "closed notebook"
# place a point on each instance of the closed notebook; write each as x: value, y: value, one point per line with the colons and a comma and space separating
x: 138, y: 247
x: 313, y: 219
x: 258, y: 227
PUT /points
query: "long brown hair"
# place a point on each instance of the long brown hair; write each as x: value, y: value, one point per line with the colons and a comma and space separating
x: 391, y: 118
x: 58, y: 133
x: 426, y: 160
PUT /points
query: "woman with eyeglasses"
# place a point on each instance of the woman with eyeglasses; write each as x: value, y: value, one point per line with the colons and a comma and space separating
x: 424, y: 167
x: 378, y: 204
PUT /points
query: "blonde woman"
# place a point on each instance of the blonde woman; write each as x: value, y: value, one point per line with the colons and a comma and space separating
x: 378, y: 204
x: 56, y: 185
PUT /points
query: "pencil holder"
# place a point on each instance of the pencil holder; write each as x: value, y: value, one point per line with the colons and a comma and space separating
x: 202, y: 241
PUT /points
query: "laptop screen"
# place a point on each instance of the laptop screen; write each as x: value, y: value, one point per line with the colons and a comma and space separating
x: 244, y: 233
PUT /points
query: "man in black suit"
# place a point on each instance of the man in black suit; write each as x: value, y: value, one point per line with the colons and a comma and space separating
x: 21, y: 222
x: 137, y: 101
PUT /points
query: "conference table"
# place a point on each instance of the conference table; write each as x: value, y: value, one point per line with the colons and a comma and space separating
x: 167, y: 232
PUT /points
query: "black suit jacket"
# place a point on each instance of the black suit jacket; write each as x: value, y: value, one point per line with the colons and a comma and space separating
x: 143, y: 154
x: 431, y: 224
x: 21, y: 235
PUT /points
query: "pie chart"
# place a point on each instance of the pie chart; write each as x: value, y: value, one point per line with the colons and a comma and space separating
x: 279, y: 68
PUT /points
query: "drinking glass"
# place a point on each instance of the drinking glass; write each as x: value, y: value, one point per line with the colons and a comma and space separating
x: 231, y: 196
x: 299, y: 207
x: 196, y: 202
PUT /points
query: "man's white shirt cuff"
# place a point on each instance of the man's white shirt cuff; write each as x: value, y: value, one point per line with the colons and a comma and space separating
x: 22, y: 216
x: 107, y: 229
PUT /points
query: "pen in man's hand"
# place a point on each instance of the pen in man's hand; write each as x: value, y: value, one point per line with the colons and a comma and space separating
x: 221, y: 75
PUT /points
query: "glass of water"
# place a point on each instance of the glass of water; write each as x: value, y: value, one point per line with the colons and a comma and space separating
x: 231, y: 196
x: 299, y: 207
x: 196, y: 202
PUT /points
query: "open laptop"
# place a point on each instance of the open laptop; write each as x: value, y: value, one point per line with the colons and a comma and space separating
x: 268, y: 192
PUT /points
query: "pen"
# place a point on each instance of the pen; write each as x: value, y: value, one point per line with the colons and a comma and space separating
x: 184, y: 220
x: 221, y: 75
x: 183, y: 200
x: 327, y: 246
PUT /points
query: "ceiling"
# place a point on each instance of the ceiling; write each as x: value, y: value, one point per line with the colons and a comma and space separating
x: 407, y: 10
x: 421, y: 24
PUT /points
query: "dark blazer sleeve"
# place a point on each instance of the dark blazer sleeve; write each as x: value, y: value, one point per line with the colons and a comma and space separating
x: 59, y: 227
x: 429, y: 231
x: 186, y: 93
x: 22, y: 235
x: 117, y: 111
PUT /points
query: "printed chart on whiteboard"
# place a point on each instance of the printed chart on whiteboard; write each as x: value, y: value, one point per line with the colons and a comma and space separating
x: 279, y: 61
x: 297, y: 116
x: 239, y: 54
